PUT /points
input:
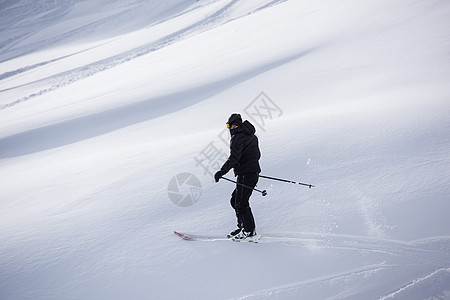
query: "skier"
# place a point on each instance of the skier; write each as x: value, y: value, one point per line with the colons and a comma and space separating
x: 244, y: 159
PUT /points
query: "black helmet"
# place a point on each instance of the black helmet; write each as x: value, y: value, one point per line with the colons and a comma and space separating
x: 234, y: 119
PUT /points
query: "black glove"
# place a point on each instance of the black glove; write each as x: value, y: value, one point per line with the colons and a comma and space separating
x: 218, y: 175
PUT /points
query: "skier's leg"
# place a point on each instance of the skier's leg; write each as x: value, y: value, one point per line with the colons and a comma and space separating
x: 233, y: 204
x: 233, y: 199
x: 242, y: 200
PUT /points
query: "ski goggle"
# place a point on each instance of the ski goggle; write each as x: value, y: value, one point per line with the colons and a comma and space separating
x: 229, y: 126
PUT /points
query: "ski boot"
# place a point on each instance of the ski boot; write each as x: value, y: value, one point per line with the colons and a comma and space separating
x: 246, y: 236
x: 234, y: 233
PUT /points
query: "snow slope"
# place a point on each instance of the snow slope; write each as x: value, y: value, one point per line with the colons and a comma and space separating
x: 103, y: 104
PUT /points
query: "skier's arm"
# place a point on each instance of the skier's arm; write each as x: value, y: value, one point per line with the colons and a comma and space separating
x: 236, y: 147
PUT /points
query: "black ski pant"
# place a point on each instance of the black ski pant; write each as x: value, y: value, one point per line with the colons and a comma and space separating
x: 240, y: 201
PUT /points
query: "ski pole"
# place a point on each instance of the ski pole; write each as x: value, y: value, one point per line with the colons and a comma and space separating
x: 246, y: 186
x: 289, y: 181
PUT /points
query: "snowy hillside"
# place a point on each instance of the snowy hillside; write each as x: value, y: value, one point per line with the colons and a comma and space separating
x: 112, y: 122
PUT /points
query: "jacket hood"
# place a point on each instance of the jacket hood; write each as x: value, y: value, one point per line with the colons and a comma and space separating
x: 245, y: 127
x: 248, y: 127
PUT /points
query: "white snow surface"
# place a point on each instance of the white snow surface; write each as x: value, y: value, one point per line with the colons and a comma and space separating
x: 103, y: 103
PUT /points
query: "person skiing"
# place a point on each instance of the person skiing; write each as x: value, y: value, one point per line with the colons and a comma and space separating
x: 244, y: 160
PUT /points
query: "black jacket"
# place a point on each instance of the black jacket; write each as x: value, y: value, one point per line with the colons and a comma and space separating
x: 244, y: 151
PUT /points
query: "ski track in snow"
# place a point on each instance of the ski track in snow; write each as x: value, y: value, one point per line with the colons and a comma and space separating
x: 295, y: 289
x: 421, y: 288
x: 57, y: 81
x: 434, y: 252
x: 433, y: 249
x: 440, y: 277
